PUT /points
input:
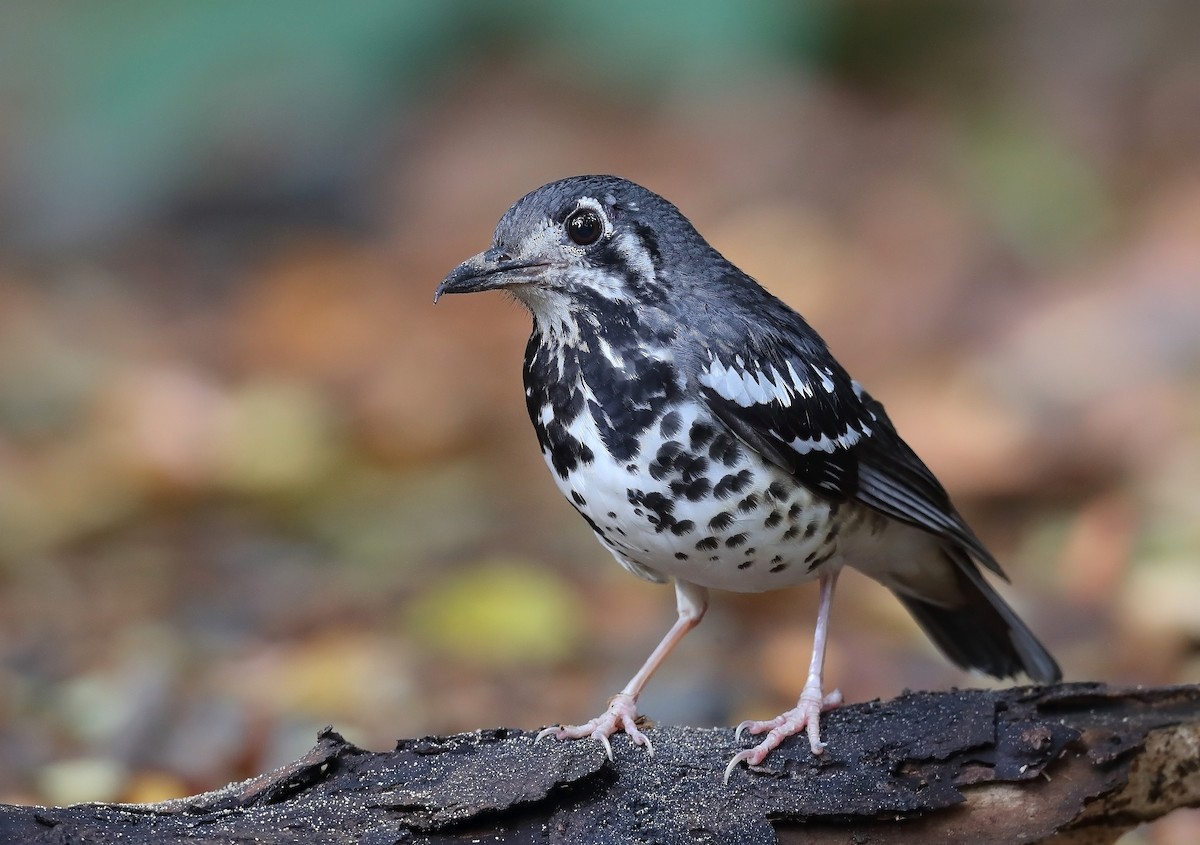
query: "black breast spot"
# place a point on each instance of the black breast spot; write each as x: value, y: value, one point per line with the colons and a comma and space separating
x: 670, y: 424
x: 725, y: 450
x: 730, y: 485
x: 721, y: 521
x: 700, y: 434
x: 691, y: 467
x: 659, y: 511
x: 664, y: 460
x: 777, y: 491
x: 693, y: 491
x: 627, y: 399
x: 815, y: 559
x: 566, y: 453
x: 682, y: 527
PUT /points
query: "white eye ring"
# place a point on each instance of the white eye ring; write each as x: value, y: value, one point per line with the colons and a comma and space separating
x: 587, y: 224
x: 584, y: 227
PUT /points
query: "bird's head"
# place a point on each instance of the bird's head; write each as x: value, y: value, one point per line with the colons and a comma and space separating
x: 582, y: 241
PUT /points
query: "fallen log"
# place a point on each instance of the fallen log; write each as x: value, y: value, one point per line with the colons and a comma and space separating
x: 1073, y: 763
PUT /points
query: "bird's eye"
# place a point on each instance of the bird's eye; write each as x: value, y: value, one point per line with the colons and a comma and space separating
x: 584, y: 227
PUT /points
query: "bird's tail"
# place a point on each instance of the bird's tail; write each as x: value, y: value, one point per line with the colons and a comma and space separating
x: 980, y: 631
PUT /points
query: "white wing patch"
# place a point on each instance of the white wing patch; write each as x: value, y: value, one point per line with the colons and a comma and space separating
x: 824, y: 376
x: 747, y: 388
x: 825, y: 443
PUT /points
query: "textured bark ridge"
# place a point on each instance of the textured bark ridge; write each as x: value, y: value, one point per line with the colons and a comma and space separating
x: 1074, y: 763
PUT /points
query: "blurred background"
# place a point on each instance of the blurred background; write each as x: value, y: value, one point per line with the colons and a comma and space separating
x: 252, y: 482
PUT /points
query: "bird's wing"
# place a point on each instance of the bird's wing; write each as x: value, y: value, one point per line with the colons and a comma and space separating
x: 788, y: 399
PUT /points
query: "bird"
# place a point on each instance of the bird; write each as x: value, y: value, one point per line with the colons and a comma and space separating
x: 707, y: 435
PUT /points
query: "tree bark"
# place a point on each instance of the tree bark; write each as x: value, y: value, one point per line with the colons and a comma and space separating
x: 1068, y: 764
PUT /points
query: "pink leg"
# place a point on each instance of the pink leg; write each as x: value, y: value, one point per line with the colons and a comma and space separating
x: 621, y: 714
x: 806, y: 715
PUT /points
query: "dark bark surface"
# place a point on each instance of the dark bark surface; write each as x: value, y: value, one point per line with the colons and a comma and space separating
x: 1070, y: 763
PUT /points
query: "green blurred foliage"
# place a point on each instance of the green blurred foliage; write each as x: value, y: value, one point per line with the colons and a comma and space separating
x: 1046, y: 197
x: 116, y: 108
x: 499, y: 613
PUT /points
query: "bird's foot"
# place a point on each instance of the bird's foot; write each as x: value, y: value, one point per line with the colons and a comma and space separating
x: 621, y: 715
x: 805, y: 716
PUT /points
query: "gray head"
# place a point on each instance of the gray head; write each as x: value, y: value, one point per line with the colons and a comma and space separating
x: 584, y: 239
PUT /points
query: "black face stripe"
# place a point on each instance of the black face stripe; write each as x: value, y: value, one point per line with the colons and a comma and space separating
x: 609, y: 256
x: 649, y: 240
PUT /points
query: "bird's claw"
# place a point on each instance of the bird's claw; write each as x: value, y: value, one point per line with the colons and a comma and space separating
x: 737, y: 758
x: 621, y: 716
x: 806, y: 716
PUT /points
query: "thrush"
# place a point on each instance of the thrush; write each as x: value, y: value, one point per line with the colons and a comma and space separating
x: 706, y: 434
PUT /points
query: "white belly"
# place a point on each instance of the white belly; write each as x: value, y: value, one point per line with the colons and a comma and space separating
x: 754, y: 530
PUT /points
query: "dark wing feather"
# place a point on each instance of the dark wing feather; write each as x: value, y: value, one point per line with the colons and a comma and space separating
x: 795, y: 415
x: 894, y: 481
x: 793, y: 403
